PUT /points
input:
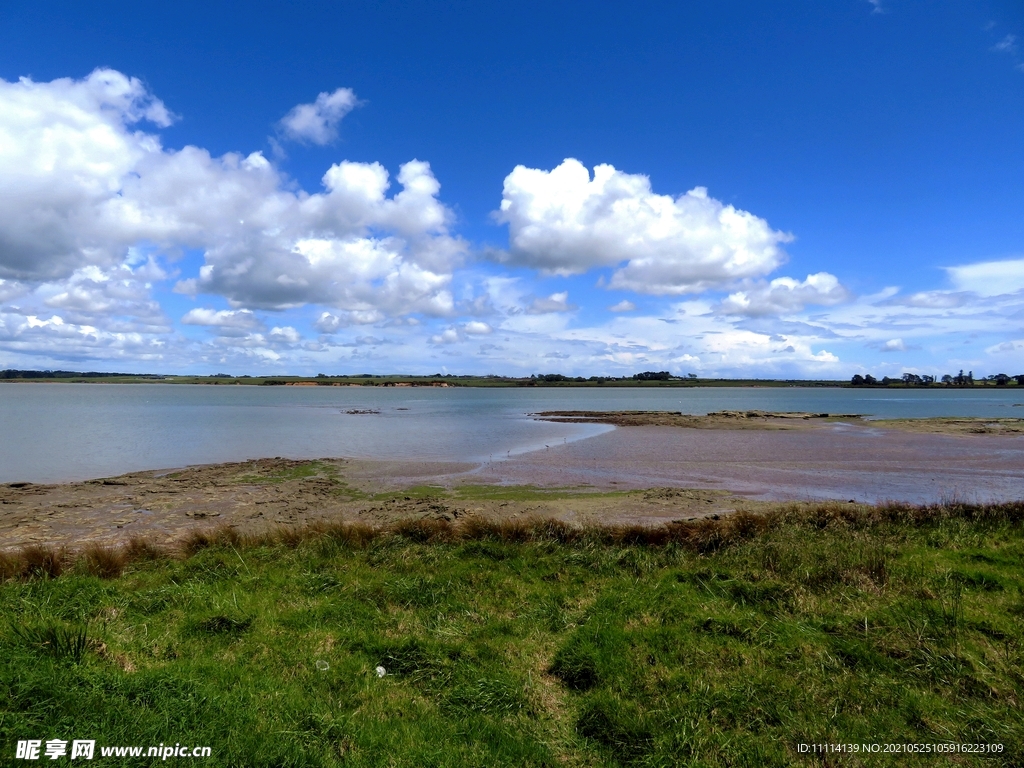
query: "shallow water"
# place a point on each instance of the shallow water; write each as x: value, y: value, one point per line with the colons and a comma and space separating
x: 58, y: 432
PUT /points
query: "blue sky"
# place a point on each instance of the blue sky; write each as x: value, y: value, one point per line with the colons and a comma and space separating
x: 736, y: 189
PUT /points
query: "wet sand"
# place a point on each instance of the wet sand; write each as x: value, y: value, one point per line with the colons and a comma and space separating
x: 646, y: 474
x: 824, y: 460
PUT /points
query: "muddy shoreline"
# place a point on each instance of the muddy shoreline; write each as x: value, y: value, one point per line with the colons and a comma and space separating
x: 658, y: 468
x: 164, y: 506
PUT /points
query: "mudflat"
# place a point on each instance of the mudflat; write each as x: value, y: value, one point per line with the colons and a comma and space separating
x: 778, y: 457
x: 657, y: 467
x: 163, y: 507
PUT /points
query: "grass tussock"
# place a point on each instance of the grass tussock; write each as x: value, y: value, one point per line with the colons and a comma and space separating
x: 140, y: 550
x: 105, y: 562
x: 54, y: 639
x: 11, y: 565
x: 222, y: 536
x: 40, y: 561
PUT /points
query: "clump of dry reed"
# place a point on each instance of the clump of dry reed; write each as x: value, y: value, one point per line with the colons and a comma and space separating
x: 11, y: 565
x: 42, y: 561
x: 139, y: 550
x: 196, y: 541
x: 105, y: 562
x: 354, y: 535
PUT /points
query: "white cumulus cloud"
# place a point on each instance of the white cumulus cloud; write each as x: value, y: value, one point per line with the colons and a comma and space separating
x: 556, y: 302
x: 564, y: 222
x: 65, y: 148
x: 328, y: 322
x: 785, y: 295
x: 285, y: 335
x: 222, y: 318
x: 317, y: 123
x: 894, y: 345
x: 81, y: 185
x: 448, y: 336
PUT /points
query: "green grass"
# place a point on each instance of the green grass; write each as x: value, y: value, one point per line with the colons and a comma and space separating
x: 296, y: 472
x: 496, y: 493
x: 721, y: 644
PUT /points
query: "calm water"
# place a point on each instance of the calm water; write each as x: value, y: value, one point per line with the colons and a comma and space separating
x: 54, y: 432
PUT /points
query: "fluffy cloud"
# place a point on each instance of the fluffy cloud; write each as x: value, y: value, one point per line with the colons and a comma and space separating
x: 37, y: 337
x: 317, y: 123
x: 460, y: 333
x: 785, y: 295
x: 448, y: 336
x: 556, y: 302
x: 328, y: 322
x: 272, y: 248
x: 285, y: 335
x: 564, y: 222
x: 65, y: 148
x: 622, y: 306
x: 238, y: 319
x: 80, y: 185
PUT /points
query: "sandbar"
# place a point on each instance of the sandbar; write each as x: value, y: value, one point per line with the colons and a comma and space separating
x: 787, y: 420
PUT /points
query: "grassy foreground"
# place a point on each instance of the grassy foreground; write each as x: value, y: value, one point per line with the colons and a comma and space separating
x: 723, y: 642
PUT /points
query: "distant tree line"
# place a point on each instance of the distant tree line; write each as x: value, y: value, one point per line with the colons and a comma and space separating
x: 11, y: 373
x: 653, y: 376
x: 644, y: 376
x: 548, y: 377
x: 914, y: 380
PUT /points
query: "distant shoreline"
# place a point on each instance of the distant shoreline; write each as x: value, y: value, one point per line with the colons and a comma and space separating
x: 452, y: 381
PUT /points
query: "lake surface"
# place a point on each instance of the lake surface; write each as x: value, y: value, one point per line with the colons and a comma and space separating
x: 58, y: 432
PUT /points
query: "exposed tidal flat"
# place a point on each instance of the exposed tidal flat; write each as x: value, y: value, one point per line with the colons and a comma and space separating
x: 808, y: 445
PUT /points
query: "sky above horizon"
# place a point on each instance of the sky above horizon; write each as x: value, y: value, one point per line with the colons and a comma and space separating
x: 753, y: 189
